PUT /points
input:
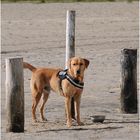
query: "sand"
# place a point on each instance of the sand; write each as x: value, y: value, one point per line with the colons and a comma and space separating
x: 36, y: 32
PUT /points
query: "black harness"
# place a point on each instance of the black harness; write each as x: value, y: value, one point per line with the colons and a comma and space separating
x: 64, y: 75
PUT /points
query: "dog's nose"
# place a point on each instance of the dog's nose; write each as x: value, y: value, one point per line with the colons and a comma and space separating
x: 78, y: 71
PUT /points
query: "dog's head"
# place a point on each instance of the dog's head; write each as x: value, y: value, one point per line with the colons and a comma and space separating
x: 77, y: 66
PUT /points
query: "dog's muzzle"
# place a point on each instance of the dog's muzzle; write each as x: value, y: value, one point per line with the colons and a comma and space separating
x: 78, y: 72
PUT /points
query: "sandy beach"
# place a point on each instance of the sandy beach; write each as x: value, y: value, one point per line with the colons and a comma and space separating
x: 36, y: 32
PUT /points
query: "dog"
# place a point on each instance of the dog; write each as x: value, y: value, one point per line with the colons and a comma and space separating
x: 68, y: 83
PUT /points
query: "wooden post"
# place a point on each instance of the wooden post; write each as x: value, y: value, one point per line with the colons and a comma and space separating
x: 70, y: 45
x: 129, y: 81
x: 15, y: 95
x: 70, y: 36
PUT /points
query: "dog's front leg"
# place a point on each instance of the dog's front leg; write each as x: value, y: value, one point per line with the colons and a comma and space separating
x: 68, y: 110
x: 77, y: 109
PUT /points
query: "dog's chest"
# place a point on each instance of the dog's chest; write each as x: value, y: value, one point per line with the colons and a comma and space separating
x: 69, y: 89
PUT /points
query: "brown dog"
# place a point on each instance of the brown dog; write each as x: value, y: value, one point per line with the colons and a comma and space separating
x: 69, y: 84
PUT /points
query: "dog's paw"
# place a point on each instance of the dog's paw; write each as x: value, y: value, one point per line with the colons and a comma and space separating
x: 35, y: 121
x: 69, y: 124
x: 80, y: 123
x: 44, y: 120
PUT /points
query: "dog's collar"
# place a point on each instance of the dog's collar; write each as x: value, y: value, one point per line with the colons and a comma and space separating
x: 64, y: 75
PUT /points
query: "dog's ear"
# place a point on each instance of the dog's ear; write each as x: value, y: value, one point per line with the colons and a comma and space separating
x: 86, y: 62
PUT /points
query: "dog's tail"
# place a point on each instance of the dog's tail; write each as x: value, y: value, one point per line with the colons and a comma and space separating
x: 29, y: 66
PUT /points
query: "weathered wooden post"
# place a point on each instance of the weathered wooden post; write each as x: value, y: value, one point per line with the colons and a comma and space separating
x: 129, y: 81
x: 15, y: 94
x: 70, y: 45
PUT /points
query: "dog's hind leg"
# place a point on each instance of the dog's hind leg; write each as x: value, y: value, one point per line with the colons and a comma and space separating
x: 36, y: 100
x: 44, y: 100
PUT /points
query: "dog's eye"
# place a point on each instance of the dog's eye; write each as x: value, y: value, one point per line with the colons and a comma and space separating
x: 81, y: 64
x: 74, y: 64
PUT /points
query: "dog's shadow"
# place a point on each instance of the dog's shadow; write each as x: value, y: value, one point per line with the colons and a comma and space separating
x: 83, y: 128
x: 86, y: 126
x: 78, y: 129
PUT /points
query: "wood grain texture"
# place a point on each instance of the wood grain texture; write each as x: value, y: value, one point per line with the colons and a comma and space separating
x: 129, y: 81
x: 15, y: 95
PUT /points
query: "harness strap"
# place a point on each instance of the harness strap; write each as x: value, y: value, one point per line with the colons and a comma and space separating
x: 74, y: 82
x: 63, y: 75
